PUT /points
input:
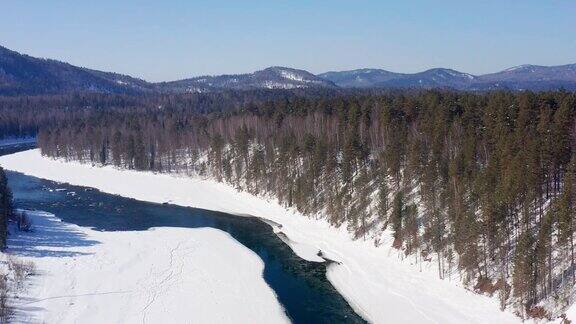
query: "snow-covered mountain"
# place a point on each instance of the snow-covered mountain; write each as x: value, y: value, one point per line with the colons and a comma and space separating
x: 530, y: 77
x: 524, y: 77
x: 21, y: 74
x: 433, y: 78
x: 362, y: 78
x: 377, y: 78
x: 529, y: 72
x: 271, y: 78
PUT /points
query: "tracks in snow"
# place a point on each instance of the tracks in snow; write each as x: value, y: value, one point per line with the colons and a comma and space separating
x: 159, y: 282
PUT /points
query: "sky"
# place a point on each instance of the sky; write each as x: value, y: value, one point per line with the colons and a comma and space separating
x: 172, y: 39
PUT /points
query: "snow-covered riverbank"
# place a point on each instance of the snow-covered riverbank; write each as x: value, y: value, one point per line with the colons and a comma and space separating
x: 378, y: 285
x: 163, y: 274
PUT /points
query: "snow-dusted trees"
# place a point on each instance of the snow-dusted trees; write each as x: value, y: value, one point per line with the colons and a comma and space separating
x: 5, y: 207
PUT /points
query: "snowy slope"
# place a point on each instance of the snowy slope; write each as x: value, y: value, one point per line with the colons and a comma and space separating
x: 376, y: 283
x: 163, y: 274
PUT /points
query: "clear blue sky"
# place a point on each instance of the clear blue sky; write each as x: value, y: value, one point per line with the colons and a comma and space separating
x: 166, y: 40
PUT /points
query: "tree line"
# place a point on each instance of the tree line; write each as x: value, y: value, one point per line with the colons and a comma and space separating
x: 482, y: 184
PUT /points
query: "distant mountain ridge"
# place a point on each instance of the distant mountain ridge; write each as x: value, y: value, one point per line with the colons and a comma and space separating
x: 21, y: 74
x: 524, y: 77
x: 26, y: 75
x: 275, y: 77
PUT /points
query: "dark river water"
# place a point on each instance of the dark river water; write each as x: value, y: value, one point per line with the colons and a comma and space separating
x: 301, y: 286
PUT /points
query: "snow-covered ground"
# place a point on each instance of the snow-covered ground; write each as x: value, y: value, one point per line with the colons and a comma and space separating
x: 163, y: 275
x: 375, y: 282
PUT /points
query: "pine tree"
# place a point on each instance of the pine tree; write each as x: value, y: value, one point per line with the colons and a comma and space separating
x: 397, y: 217
x: 5, y: 207
x: 565, y: 212
x: 523, y: 281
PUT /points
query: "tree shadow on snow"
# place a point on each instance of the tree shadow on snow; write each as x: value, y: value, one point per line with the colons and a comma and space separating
x: 26, y: 314
x: 49, y: 238
x: 24, y: 310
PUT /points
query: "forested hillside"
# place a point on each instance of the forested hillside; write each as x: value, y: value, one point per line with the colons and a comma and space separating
x: 482, y: 185
x: 22, y: 74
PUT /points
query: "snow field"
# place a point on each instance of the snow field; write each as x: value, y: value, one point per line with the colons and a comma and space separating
x: 161, y: 275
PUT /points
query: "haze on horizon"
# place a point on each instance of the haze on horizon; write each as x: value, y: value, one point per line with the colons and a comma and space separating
x: 161, y: 41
